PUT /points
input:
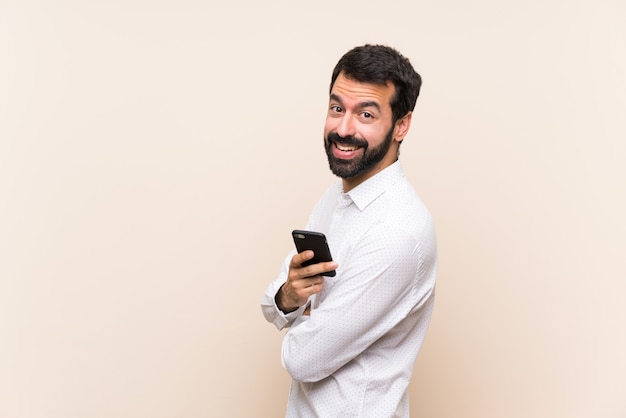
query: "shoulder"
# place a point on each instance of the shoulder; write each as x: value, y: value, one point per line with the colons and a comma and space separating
x: 400, y: 210
x: 324, y: 206
x: 329, y: 197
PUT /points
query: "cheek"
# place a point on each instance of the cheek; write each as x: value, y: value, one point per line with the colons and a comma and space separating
x: 370, y: 134
x: 329, y: 126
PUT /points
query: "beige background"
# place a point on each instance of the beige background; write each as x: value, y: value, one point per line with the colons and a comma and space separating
x: 155, y: 155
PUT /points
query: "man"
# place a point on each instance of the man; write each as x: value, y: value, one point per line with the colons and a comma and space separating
x: 353, y: 338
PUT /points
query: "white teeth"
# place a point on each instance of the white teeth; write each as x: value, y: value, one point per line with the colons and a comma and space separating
x: 346, y: 148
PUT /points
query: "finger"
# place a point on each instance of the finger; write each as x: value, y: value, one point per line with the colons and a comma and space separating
x: 298, y: 259
x: 303, y: 285
x: 318, y: 269
x: 330, y: 265
x: 313, y: 281
x: 314, y: 288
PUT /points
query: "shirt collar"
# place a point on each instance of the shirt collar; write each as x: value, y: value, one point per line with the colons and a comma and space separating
x: 366, y: 192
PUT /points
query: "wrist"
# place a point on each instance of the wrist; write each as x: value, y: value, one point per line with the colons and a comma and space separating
x: 280, y: 303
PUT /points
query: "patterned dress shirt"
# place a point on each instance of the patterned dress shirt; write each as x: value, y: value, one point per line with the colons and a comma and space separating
x: 354, y: 355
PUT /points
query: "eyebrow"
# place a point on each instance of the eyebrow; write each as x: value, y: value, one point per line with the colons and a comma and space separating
x: 360, y: 105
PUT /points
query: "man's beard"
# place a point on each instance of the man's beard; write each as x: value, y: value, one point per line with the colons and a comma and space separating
x: 347, y: 169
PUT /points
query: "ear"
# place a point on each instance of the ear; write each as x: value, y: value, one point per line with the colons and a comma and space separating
x: 402, y: 127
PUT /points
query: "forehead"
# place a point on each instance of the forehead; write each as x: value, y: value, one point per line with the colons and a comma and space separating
x: 351, y: 92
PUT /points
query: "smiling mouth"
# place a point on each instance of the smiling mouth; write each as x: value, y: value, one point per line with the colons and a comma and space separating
x: 346, y: 148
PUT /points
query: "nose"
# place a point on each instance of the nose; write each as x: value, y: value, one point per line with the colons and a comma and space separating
x: 346, y: 126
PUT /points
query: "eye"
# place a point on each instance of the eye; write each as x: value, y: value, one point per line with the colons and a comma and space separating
x: 336, y: 109
x: 367, y: 115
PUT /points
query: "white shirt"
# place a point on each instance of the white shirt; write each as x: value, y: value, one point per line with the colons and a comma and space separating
x: 355, y: 353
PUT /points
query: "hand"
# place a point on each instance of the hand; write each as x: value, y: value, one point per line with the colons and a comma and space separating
x: 302, y: 282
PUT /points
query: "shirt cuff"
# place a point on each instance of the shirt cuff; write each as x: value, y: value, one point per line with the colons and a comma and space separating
x: 272, y: 312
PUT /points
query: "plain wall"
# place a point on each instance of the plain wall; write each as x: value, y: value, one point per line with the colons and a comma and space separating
x: 155, y: 155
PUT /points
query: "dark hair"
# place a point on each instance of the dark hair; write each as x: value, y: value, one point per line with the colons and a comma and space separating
x: 378, y: 64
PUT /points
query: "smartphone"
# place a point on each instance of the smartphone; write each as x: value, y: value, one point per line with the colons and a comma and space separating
x: 315, y: 241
